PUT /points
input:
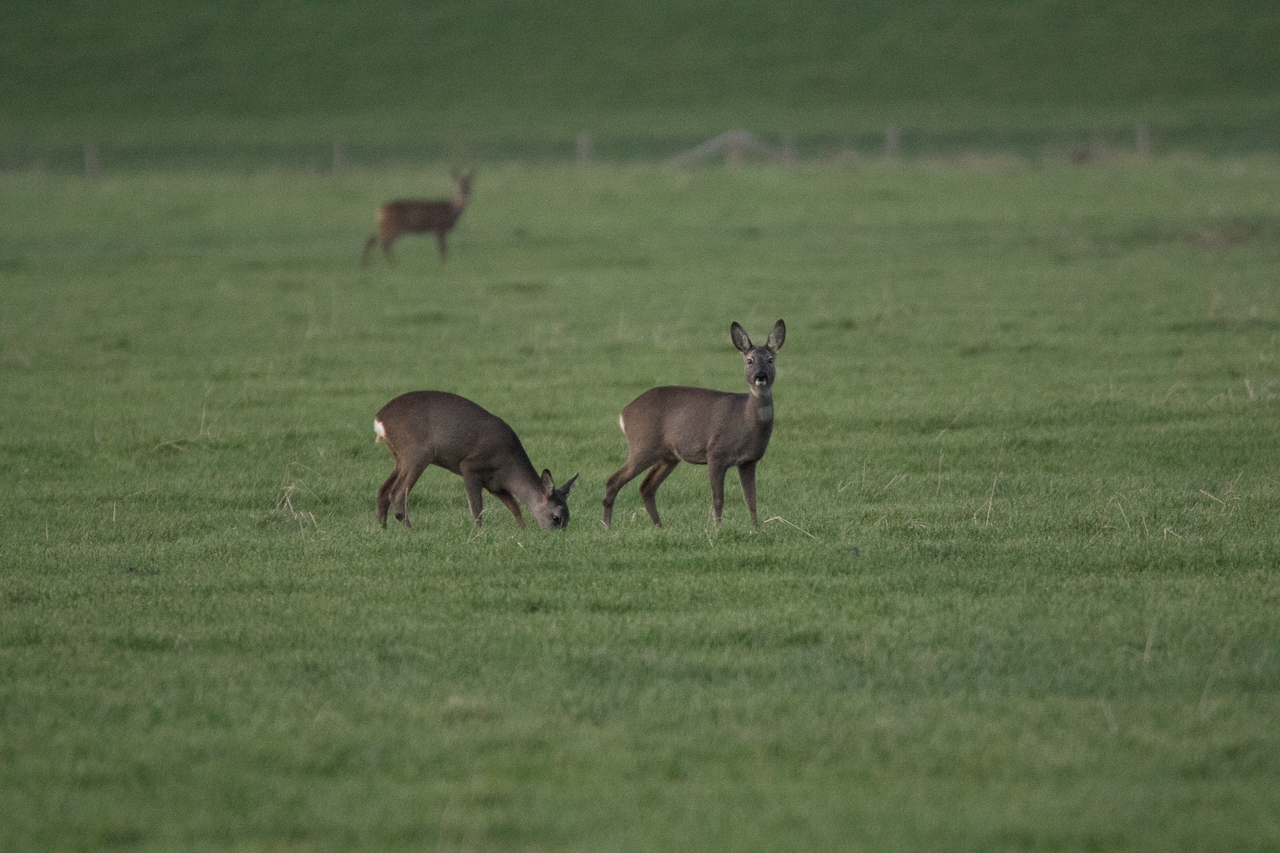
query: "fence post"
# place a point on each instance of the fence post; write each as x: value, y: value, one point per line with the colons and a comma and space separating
x: 892, y: 143
x: 789, y: 153
x: 1143, y: 140
x: 91, y: 164
x: 585, y: 148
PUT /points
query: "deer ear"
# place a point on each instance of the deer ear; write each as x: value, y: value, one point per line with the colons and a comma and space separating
x: 564, y: 490
x: 740, y: 339
x: 777, y: 336
x: 548, y: 484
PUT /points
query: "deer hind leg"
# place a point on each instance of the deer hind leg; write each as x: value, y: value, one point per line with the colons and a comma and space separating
x: 388, y: 488
x: 409, y: 474
x: 384, y: 496
x: 388, y: 233
x: 649, y: 488
x: 620, y: 478
x: 613, y: 485
x: 441, y: 243
x: 368, y: 247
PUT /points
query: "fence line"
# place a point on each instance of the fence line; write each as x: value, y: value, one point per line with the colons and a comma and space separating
x: 892, y: 144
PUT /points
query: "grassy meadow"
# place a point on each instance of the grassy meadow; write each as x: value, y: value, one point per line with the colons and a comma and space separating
x: 1017, y: 587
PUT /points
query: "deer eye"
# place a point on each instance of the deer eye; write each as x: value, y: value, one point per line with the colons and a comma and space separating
x: 555, y: 519
x: 751, y: 361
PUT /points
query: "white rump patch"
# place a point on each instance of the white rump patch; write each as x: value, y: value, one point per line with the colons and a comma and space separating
x: 621, y: 425
x: 380, y: 430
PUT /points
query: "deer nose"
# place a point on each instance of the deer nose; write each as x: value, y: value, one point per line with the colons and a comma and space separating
x: 762, y: 378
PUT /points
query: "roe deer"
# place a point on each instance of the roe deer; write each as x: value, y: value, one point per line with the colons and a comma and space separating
x: 673, y: 424
x: 438, y: 428
x: 418, y: 217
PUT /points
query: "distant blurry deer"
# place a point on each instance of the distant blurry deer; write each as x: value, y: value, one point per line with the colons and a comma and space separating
x: 418, y: 217
x: 673, y: 424
x: 437, y: 428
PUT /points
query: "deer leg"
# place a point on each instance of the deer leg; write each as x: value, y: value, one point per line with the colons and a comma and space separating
x: 649, y: 488
x: 440, y: 243
x: 614, y: 484
x: 368, y: 247
x: 716, y: 471
x: 387, y: 240
x: 384, y: 497
x: 475, y: 497
x: 408, y: 478
x: 509, y: 502
x: 747, y: 474
x: 637, y: 461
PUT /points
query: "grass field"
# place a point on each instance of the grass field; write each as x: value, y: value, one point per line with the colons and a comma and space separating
x: 1017, y: 590
x: 1016, y: 584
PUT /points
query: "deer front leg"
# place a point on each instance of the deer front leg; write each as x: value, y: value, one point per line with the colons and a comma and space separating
x: 747, y: 474
x: 716, y: 471
x: 475, y: 497
x: 441, y: 243
x: 509, y: 501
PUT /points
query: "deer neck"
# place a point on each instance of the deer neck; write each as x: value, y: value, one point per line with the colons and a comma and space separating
x: 760, y: 405
x: 526, y: 487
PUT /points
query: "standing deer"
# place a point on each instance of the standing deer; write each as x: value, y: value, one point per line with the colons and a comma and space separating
x: 418, y: 217
x: 673, y: 424
x: 437, y: 428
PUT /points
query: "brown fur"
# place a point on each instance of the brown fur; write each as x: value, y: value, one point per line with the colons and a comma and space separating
x: 408, y: 216
x: 438, y: 428
x: 673, y: 424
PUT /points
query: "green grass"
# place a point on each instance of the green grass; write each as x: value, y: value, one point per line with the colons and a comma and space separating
x: 1017, y: 590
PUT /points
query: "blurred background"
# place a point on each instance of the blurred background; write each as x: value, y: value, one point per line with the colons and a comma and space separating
x: 333, y: 85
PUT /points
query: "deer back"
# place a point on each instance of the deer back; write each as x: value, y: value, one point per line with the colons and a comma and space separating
x: 452, y: 431
x: 418, y: 216
x: 694, y: 423
x: 439, y: 428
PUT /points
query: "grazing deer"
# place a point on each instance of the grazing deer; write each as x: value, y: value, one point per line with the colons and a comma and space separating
x: 437, y: 428
x: 418, y: 217
x: 673, y: 424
